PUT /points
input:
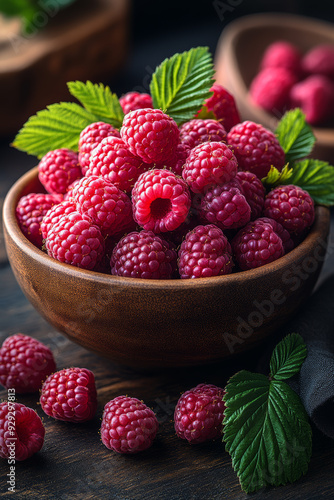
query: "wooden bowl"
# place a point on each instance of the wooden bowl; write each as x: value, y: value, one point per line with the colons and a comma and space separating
x: 238, y: 54
x: 151, y: 323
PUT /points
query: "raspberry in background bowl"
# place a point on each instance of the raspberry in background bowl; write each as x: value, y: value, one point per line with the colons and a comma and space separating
x: 163, y: 323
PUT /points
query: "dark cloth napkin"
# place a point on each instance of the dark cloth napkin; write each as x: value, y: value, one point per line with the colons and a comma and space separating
x: 315, y: 381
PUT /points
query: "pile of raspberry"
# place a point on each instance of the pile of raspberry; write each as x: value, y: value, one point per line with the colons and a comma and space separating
x: 155, y: 200
x: 288, y: 78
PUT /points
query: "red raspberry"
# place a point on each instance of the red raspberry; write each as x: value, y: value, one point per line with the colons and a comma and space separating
x: 315, y: 96
x: 23, y: 437
x: 256, y: 148
x: 282, y: 54
x: 255, y: 245
x: 253, y: 190
x: 75, y: 240
x: 160, y: 200
x: 24, y: 363
x: 225, y: 206
x: 223, y: 106
x: 199, y: 414
x: 205, y: 252
x: 58, y: 169
x: 288, y: 243
x: 108, y: 206
x: 291, y: 206
x: 128, y: 425
x: 135, y: 100
x: 53, y: 215
x: 143, y: 255
x: 197, y: 131
x: 30, y: 211
x: 150, y: 134
x: 112, y: 160
x: 270, y: 89
x: 70, y: 395
x: 177, y: 163
x: 207, y: 164
x: 319, y: 61
x: 90, y: 137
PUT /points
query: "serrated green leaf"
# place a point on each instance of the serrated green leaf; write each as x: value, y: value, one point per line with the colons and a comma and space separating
x: 182, y: 83
x: 57, y: 126
x: 295, y: 135
x: 98, y: 100
x: 276, y: 178
x: 266, y: 431
x: 288, y: 357
x: 317, y: 178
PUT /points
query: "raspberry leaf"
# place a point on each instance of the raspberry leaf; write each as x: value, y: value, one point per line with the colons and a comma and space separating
x: 317, y: 178
x: 276, y: 178
x: 295, y: 135
x: 98, y: 100
x: 182, y: 83
x: 288, y: 357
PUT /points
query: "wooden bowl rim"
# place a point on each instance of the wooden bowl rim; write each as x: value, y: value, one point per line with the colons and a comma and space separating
x: 318, y: 231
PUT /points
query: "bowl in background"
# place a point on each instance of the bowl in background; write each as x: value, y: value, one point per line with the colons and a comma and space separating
x: 168, y: 323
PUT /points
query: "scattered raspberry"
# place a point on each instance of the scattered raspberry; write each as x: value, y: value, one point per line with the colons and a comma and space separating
x: 150, y: 134
x: 270, y: 89
x: 128, y: 425
x: 288, y: 242
x: 22, y: 438
x: 197, y: 131
x: 112, y: 160
x: 291, y: 206
x: 225, y: 206
x: 58, y: 169
x: 70, y: 395
x: 223, y: 106
x: 75, y: 240
x: 108, y: 206
x: 253, y: 190
x: 160, y: 200
x: 205, y: 252
x: 319, y: 60
x: 177, y: 163
x: 315, y: 96
x: 143, y: 255
x: 30, y: 211
x: 255, y: 245
x: 135, y: 100
x: 90, y: 137
x: 199, y: 414
x: 207, y: 164
x: 53, y: 215
x: 24, y: 363
x: 256, y: 148
x: 282, y: 54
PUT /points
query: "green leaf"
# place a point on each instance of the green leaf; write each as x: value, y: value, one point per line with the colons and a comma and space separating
x: 98, y: 100
x: 317, y: 178
x: 295, y: 135
x: 182, y: 83
x: 57, y: 126
x: 288, y: 357
x: 276, y: 178
x: 266, y: 431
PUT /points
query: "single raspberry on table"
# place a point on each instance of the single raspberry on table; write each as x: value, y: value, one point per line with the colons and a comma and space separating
x: 21, y: 431
x: 253, y: 190
x: 70, y: 395
x: 197, y: 131
x: 30, y: 210
x: 135, y: 100
x: 75, y: 240
x: 143, y: 255
x: 256, y: 148
x: 58, y: 169
x: 25, y: 363
x: 128, y: 425
x: 205, y: 252
x: 160, y: 200
x: 199, y: 414
x: 256, y: 244
x: 53, y: 215
x: 287, y: 240
x: 207, y: 164
x: 282, y: 54
x: 113, y: 161
x: 315, y: 96
x: 107, y: 205
x: 150, y: 134
x: 291, y: 206
x: 222, y: 104
x: 90, y: 137
x: 225, y: 206
x: 319, y: 61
